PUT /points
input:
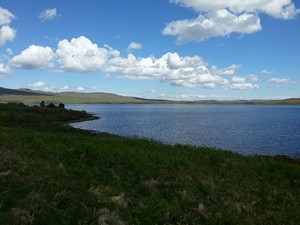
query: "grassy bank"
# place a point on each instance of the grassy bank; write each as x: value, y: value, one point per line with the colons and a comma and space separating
x: 54, y: 174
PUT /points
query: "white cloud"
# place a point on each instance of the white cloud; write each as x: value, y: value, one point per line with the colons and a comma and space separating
x: 7, y: 34
x: 48, y: 14
x: 243, y: 86
x: 170, y: 66
x: 284, y: 9
x: 222, y: 17
x: 38, y: 84
x: 280, y: 81
x: 267, y: 72
x: 185, y: 71
x: 57, y: 88
x: 137, y: 68
x: 81, y: 55
x: 225, y: 71
x: 253, y: 78
x: 9, y: 51
x: 80, y: 88
x: 4, y: 70
x: 238, y: 80
x: 6, y: 16
x: 212, y: 24
x: 183, y: 97
x: 196, y: 97
x: 134, y: 46
x: 34, y: 57
x: 64, y: 88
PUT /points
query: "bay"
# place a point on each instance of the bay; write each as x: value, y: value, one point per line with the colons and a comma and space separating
x: 248, y: 130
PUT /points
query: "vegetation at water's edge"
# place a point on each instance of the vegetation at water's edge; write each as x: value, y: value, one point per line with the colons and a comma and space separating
x: 53, y: 174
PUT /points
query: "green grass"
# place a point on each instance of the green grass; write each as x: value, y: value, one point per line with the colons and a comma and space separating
x: 53, y: 174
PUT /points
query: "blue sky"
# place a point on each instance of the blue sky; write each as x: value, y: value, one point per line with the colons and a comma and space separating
x: 171, y: 49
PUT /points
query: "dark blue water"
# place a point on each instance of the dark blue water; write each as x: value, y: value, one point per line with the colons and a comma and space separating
x: 249, y: 130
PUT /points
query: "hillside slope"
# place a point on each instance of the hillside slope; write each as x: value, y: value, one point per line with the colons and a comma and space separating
x: 35, y: 97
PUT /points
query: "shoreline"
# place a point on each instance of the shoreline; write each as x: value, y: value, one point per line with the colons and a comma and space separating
x: 97, y: 133
x: 241, y: 151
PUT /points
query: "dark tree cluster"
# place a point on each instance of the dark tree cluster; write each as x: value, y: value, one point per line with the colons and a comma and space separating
x: 51, y: 105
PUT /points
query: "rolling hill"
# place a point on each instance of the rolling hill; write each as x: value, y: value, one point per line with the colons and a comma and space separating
x: 35, y: 97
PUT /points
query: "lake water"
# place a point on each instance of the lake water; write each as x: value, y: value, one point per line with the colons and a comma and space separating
x: 249, y: 130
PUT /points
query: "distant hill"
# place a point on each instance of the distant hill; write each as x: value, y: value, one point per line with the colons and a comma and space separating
x: 26, y: 92
x: 35, y: 97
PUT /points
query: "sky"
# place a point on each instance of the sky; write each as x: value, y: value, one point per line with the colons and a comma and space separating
x: 158, y: 49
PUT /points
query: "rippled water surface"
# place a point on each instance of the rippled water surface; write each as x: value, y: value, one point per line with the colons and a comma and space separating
x: 267, y: 130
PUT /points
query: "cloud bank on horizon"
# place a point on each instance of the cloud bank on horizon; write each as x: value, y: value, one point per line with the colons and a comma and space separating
x: 215, y: 19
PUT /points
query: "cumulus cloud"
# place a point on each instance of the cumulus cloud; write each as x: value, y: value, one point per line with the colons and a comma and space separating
x: 4, y: 69
x: 80, y: 88
x: 34, y: 57
x: 38, y: 84
x: 134, y: 46
x: 240, y: 83
x: 243, y: 86
x: 64, y: 88
x: 284, y: 9
x: 280, y: 81
x: 170, y: 67
x: 81, y: 55
x: 48, y: 14
x: 184, y: 97
x: 238, y: 80
x: 223, y: 17
x: 212, y: 24
x: 9, y: 51
x: 7, y: 34
x: 230, y: 70
x: 6, y: 16
x: 187, y: 71
x: 253, y: 78
x: 57, y: 88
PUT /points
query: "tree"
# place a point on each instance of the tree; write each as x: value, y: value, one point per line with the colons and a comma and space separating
x: 51, y: 105
x: 42, y: 104
x: 61, y: 106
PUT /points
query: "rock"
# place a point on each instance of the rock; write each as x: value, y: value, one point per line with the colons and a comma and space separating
x: 201, y: 209
x: 120, y: 200
x: 105, y: 217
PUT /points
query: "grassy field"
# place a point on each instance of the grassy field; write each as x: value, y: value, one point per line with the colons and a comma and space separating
x: 54, y: 174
